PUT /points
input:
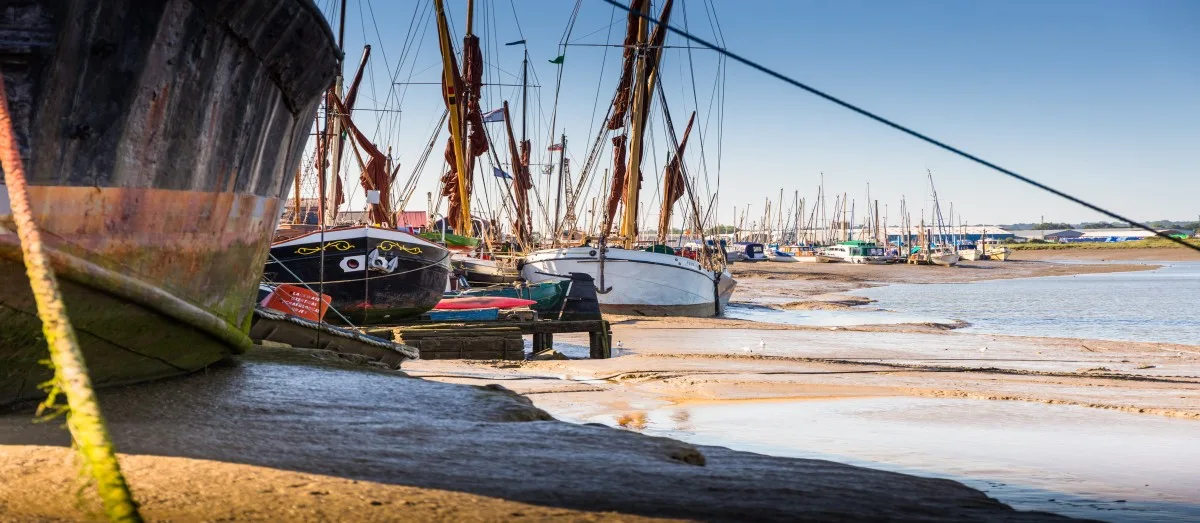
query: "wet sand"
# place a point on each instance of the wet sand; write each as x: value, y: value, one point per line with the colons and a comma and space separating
x: 286, y: 434
x: 669, y: 364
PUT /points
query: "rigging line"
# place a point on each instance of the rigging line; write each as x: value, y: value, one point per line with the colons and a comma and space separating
x: 611, y: 22
x: 405, y: 49
x: 516, y: 20
x: 906, y: 130
x: 696, y: 101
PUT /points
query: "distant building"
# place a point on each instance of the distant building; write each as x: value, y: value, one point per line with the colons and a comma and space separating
x: 1117, y: 235
x: 1040, y: 234
x: 1064, y: 236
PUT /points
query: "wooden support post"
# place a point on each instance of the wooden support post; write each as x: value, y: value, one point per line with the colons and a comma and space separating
x: 600, y: 342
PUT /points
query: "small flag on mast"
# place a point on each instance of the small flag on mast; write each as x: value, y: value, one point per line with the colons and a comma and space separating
x: 518, y: 42
x: 555, y: 147
x: 559, y: 60
x: 493, y: 116
x: 500, y: 173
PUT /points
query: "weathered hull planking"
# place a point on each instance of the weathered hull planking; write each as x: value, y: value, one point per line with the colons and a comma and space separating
x: 159, y: 139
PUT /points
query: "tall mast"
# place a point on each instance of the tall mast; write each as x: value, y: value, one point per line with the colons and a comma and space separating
x: 562, y: 172
x: 450, y: 76
x: 643, y: 87
x: 296, y: 205
x: 335, y: 124
x: 779, y: 219
x: 524, y: 93
x: 633, y: 173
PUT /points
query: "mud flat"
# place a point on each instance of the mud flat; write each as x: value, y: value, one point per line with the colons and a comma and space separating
x: 286, y: 434
x: 1082, y: 253
x: 673, y: 376
x: 784, y: 283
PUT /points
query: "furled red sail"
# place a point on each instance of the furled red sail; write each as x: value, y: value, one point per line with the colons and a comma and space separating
x: 673, y: 182
x: 617, y: 189
x: 470, y: 83
x: 339, y: 196
x: 375, y: 175
x: 620, y: 103
x: 521, y: 181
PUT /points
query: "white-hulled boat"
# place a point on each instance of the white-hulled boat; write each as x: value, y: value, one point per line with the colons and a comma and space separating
x: 654, y: 282
x: 638, y: 282
x: 856, y: 252
x: 944, y: 258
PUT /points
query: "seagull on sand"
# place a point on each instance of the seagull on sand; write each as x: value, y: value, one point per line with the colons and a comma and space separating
x: 762, y: 343
x: 983, y: 349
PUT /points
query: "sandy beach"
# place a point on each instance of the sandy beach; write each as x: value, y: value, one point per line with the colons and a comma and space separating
x: 291, y: 434
x: 302, y: 435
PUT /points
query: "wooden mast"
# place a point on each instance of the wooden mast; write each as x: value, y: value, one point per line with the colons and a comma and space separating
x: 450, y: 76
x: 296, y: 205
x: 633, y: 173
x: 643, y: 87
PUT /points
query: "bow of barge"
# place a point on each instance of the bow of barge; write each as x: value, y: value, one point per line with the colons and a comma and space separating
x: 159, y: 140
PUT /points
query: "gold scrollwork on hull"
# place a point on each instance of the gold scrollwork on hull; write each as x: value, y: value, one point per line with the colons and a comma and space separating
x: 340, y: 245
x: 388, y: 245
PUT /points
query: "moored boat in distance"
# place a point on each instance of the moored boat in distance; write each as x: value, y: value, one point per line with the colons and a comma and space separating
x: 158, y: 146
x: 750, y: 251
x: 856, y: 251
x: 374, y: 275
x: 943, y: 257
x: 971, y: 252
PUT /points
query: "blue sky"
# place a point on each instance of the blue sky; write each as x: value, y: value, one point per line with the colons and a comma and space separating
x: 1098, y: 98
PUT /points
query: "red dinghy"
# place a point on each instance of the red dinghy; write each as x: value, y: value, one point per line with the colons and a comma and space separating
x: 483, y: 302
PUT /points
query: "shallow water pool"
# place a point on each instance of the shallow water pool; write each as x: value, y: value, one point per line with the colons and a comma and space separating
x: 1069, y: 460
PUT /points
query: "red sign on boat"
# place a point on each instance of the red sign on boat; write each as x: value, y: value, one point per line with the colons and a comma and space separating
x: 297, y: 301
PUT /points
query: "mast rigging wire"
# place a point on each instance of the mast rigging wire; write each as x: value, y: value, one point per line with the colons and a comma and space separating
x: 906, y: 130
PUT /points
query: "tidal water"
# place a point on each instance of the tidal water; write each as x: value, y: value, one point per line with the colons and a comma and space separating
x: 827, y: 318
x: 1068, y: 460
x: 1162, y: 305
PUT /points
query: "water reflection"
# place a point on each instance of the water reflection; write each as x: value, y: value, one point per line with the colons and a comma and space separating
x: 1069, y: 460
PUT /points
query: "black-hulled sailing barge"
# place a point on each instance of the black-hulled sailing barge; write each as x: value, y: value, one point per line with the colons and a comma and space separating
x: 158, y: 138
x: 373, y: 273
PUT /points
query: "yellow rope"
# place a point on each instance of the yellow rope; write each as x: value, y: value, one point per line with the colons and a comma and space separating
x: 70, y: 371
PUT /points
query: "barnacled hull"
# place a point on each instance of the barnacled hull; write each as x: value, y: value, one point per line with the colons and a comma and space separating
x: 372, y: 275
x: 158, y: 138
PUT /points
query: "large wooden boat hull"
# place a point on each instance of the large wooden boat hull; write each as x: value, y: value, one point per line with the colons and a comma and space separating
x: 158, y: 140
x: 373, y: 275
x: 638, y: 283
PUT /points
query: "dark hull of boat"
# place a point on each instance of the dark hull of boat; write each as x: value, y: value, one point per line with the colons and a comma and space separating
x: 486, y: 274
x: 373, y: 276
x: 159, y: 139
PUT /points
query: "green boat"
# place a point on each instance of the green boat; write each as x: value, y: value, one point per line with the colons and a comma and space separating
x: 454, y: 241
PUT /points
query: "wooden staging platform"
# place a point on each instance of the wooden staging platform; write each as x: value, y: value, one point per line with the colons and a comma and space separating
x: 494, y: 340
